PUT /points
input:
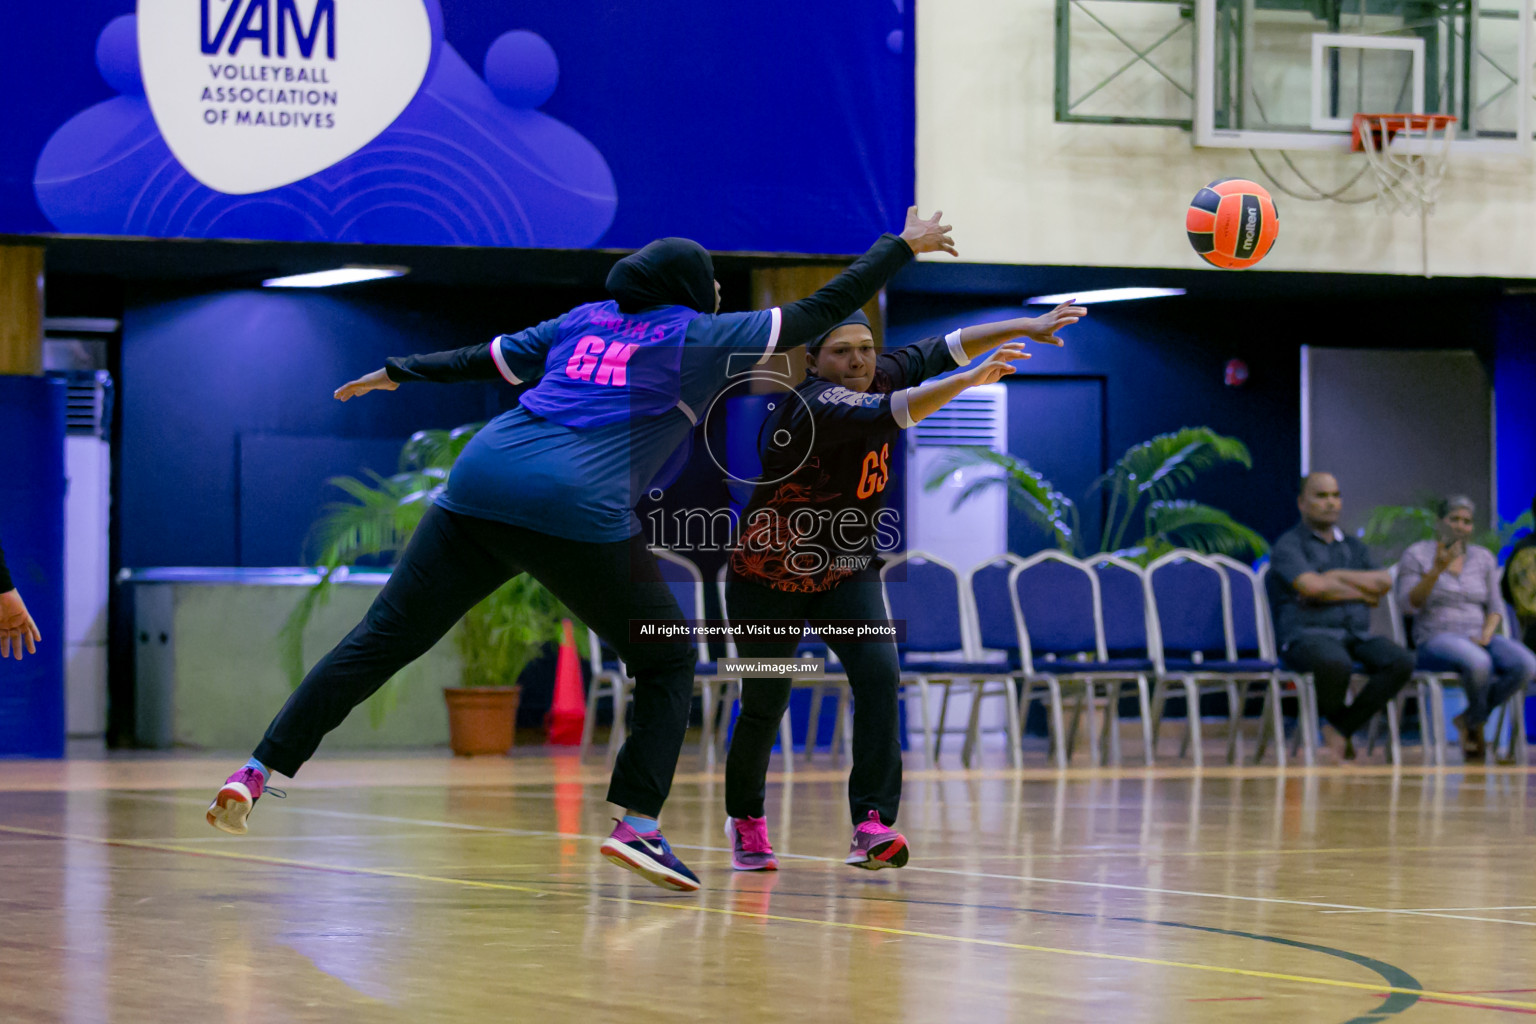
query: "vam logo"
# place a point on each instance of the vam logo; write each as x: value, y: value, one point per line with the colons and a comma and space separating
x: 252, y: 95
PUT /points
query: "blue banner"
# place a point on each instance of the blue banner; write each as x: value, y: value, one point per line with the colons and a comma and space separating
x: 590, y: 123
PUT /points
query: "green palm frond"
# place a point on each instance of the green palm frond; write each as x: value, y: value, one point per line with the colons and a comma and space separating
x: 1158, y: 468
x: 1200, y: 527
x: 1027, y: 489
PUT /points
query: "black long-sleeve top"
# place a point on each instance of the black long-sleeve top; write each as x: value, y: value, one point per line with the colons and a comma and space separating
x: 818, y: 518
x: 802, y: 322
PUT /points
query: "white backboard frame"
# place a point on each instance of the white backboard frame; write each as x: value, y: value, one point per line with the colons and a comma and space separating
x: 1322, y: 42
x: 1207, y: 135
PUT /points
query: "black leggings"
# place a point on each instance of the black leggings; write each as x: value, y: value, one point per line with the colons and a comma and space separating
x: 874, y: 674
x: 453, y: 562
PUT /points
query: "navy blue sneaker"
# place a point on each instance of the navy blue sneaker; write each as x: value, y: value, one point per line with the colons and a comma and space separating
x: 648, y: 855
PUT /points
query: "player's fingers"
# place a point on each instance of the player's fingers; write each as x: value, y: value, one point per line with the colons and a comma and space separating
x: 36, y: 633
x: 946, y: 228
x: 31, y: 647
x: 949, y: 248
x: 937, y: 215
x: 5, y: 645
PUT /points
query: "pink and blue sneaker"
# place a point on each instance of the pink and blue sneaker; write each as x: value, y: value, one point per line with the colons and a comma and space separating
x: 235, y: 800
x: 750, y: 849
x: 875, y: 846
x: 648, y: 855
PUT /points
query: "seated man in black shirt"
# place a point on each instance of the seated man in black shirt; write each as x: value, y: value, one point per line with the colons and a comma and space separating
x: 1322, y: 585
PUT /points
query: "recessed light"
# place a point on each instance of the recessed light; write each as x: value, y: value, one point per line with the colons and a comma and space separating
x: 331, y: 278
x: 1102, y: 295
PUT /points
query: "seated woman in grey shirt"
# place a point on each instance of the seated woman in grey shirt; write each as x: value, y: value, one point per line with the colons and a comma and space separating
x: 1451, y: 588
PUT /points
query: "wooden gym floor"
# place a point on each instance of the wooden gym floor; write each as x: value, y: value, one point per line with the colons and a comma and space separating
x: 427, y: 889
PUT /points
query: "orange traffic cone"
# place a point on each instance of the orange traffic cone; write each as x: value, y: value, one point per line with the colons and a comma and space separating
x: 569, y: 710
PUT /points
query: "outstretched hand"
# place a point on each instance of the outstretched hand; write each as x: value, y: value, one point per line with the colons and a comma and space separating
x: 16, y: 627
x: 1043, y: 328
x: 378, y: 380
x: 927, y: 235
x: 997, y: 365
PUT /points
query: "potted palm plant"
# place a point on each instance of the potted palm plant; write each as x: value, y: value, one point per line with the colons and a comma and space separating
x: 1142, y: 486
x: 496, y: 639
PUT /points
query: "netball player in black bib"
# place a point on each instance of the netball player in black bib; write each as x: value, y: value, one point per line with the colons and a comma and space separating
x: 808, y: 550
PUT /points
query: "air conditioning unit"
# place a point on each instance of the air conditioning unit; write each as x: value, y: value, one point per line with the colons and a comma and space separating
x: 978, y: 529
x: 87, y: 568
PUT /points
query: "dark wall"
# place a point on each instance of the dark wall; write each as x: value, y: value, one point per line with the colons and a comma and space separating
x: 228, y: 425
x: 1162, y: 365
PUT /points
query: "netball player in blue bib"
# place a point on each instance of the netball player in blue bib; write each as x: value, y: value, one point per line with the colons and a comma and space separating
x: 549, y: 488
x: 808, y: 552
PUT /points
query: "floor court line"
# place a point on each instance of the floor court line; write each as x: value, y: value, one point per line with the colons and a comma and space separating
x: 956, y: 872
x: 678, y: 905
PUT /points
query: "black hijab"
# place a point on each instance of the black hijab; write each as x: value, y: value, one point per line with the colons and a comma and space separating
x: 668, y: 272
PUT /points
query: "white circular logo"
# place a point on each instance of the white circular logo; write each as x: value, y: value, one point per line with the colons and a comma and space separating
x: 251, y: 95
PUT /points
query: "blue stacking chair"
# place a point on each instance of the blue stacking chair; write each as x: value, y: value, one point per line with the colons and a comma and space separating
x: 1256, y: 662
x: 936, y: 651
x: 1192, y: 645
x: 1057, y: 614
x: 1127, y: 640
x: 994, y: 635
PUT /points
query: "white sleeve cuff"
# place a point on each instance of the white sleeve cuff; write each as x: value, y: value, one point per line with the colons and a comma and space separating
x: 501, y: 362
x: 777, y: 317
x: 957, y: 350
x: 900, y: 410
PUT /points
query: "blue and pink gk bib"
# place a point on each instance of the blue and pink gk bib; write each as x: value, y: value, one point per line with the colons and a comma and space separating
x: 609, y: 366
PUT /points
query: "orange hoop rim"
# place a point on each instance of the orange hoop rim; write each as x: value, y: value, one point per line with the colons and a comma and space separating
x: 1389, y: 125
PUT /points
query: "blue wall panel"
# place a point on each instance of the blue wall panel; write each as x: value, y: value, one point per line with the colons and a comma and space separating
x: 32, y: 531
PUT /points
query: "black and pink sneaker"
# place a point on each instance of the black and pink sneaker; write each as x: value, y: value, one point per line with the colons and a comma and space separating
x: 235, y: 800
x: 875, y: 846
x: 750, y: 849
x: 648, y: 855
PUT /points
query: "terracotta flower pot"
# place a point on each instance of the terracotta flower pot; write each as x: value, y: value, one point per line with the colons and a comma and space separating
x: 481, y: 719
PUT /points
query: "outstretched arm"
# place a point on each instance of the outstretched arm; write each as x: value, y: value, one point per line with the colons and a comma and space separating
x: 515, y: 358
x: 811, y: 317
x: 979, y: 338
x: 926, y: 399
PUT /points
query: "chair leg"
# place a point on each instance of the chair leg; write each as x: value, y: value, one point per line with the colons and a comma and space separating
x: 589, y: 723
x: 844, y: 732
x: 1236, y: 697
x: 1426, y: 721
x: 1014, y: 727
x: 1159, y: 702
x: 1270, y: 706
x: 620, y: 730
x: 1192, y: 695
x: 1112, y: 723
x: 972, y: 725
x: 1521, y: 745
x: 1095, y: 755
x: 1394, y: 733
x: 930, y: 742
x: 1058, y: 719
x: 1144, y: 703
x: 707, y: 730
x: 1438, y: 723
x: 938, y: 737
x: 1306, y: 689
x: 1077, y: 717
x: 787, y: 742
x: 1278, y: 720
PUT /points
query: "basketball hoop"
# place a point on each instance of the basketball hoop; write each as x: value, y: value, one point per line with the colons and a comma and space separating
x: 1407, y: 154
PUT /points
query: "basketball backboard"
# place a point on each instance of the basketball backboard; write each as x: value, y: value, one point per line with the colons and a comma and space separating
x: 1290, y: 74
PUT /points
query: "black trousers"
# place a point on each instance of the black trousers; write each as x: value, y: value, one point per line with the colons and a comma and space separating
x: 873, y: 674
x: 1331, y: 663
x: 453, y: 562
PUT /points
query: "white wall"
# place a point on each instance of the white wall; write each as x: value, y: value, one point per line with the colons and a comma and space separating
x: 1021, y: 188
